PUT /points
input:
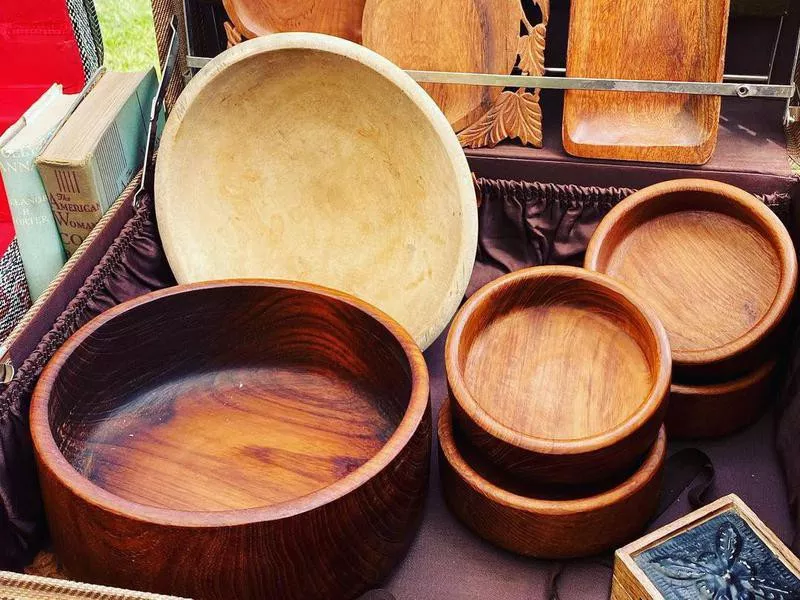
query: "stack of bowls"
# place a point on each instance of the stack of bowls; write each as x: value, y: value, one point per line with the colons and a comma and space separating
x: 552, y: 440
x: 720, y: 270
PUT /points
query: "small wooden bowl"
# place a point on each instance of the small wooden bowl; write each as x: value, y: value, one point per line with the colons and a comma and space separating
x: 545, y: 526
x: 558, y: 375
x: 224, y: 440
x: 718, y: 267
x: 705, y: 411
x: 323, y: 162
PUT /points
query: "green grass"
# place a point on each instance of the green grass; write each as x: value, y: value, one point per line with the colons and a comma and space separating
x: 128, y: 35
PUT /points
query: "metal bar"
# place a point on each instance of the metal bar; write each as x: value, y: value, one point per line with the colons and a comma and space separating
x: 742, y: 90
x: 728, y: 78
x: 775, y: 48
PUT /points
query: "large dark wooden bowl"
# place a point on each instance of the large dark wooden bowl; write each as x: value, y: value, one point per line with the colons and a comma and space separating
x: 540, y: 522
x: 235, y: 440
x: 715, y: 263
x: 558, y: 375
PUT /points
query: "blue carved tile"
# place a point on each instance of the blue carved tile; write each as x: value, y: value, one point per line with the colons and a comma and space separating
x: 721, y: 559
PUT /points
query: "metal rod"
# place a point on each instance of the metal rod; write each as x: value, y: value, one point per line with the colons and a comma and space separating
x: 728, y: 78
x: 742, y: 90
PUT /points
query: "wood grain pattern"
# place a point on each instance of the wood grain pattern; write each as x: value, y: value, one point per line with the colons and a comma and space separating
x: 473, y: 36
x: 254, y: 18
x: 238, y: 436
x: 718, y: 267
x: 543, y: 525
x: 325, y: 163
x: 715, y: 410
x: 676, y: 40
x: 630, y: 582
x: 558, y: 375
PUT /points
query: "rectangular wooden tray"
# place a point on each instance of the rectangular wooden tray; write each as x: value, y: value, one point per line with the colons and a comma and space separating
x: 673, y: 40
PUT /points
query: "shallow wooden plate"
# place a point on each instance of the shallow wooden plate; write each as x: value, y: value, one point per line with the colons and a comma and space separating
x: 254, y: 18
x: 323, y: 162
x: 717, y: 266
x: 714, y: 410
x: 249, y: 429
x: 545, y: 525
x: 672, y: 40
x: 558, y: 374
x: 467, y: 36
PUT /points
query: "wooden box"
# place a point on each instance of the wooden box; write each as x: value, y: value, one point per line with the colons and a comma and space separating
x: 721, y: 551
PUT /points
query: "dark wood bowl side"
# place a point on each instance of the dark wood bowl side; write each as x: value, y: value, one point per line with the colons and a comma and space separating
x: 349, y: 534
x: 562, y: 469
x: 737, y: 358
x: 338, y: 550
x: 712, y: 411
x: 545, y: 529
x: 547, y: 461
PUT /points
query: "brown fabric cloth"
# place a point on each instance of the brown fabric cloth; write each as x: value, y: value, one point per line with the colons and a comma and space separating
x: 521, y: 224
x: 133, y: 265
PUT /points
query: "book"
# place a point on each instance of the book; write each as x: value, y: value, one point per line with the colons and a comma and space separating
x: 37, y: 233
x: 97, y: 152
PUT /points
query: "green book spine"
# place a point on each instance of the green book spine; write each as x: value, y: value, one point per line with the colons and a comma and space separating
x: 81, y: 191
x: 37, y: 233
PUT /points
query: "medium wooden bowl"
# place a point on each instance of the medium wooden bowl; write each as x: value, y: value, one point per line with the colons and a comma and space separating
x: 226, y: 440
x: 321, y: 161
x: 539, y: 524
x: 558, y: 375
x: 341, y: 18
x: 718, y: 267
x: 705, y: 411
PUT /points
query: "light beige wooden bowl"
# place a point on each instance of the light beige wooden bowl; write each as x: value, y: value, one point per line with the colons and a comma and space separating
x: 301, y: 156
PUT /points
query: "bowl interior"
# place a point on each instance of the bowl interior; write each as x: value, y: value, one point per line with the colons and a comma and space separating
x: 707, y: 265
x: 317, y: 167
x: 229, y: 397
x: 558, y: 358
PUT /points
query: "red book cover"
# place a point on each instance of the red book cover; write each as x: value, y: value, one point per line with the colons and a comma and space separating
x: 38, y: 48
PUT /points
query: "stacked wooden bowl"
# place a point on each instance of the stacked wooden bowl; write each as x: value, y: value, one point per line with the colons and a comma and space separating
x: 720, y: 270
x: 552, y: 441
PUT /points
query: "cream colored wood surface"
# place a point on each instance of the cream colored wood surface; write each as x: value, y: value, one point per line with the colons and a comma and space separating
x: 305, y: 157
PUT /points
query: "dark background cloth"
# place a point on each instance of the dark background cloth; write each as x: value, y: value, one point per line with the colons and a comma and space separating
x: 521, y: 224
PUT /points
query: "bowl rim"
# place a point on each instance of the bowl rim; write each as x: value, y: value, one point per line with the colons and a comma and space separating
x: 773, y: 230
x: 651, y: 405
x: 50, y: 457
x: 701, y: 391
x: 463, y: 178
x: 645, y: 472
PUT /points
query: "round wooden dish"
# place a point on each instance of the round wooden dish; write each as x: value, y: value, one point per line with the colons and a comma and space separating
x: 558, y: 375
x: 341, y: 18
x: 704, y: 411
x: 224, y: 440
x: 545, y: 525
x: 718, y: 267
x: 306, y: 157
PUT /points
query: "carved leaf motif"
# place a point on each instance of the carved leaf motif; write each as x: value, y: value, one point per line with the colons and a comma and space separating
x: 514, y: 115
x: 676, y: 567
x: 544, y: 6
x: 729, y: 544
x: 531, y: 51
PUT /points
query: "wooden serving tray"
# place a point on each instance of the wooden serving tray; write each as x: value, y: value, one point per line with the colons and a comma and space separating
x: 673, y: 40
